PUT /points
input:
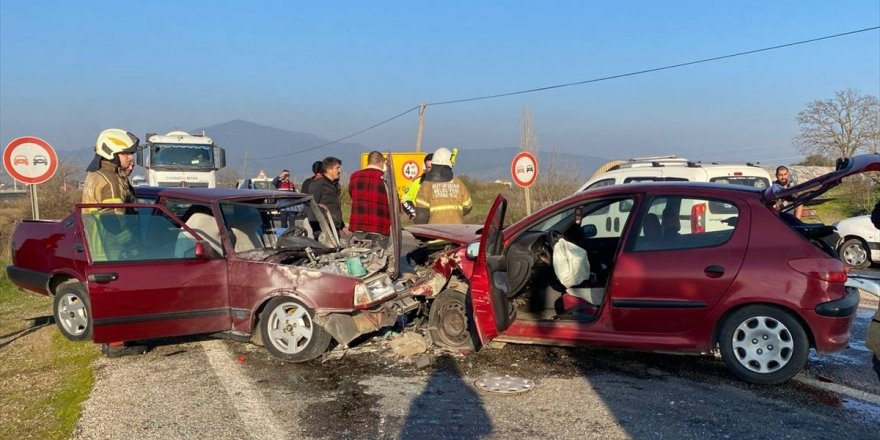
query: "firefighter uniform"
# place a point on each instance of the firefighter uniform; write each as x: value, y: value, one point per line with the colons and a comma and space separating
x: 445, y: 202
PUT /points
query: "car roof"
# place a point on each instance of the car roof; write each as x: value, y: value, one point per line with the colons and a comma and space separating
x: 210, y: 195
x: 651, y: 186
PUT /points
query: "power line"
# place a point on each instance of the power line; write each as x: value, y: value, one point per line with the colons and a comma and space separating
x: 656, y: 69
x: 577, y: 83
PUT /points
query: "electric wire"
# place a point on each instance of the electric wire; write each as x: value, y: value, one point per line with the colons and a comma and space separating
x: 576, y: 83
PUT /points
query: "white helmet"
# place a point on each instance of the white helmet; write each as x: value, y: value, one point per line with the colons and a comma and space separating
x: 113, y: 141
x: 442, y: 156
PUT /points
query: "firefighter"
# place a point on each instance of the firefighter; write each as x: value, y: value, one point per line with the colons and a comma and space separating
x: 412, y: 191
x: 442, y: 198
x: 107, y: 182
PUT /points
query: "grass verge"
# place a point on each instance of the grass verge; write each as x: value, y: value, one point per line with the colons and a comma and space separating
x: 44, y: 378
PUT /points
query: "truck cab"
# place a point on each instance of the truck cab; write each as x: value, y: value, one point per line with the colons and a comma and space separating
x: 180, y: 159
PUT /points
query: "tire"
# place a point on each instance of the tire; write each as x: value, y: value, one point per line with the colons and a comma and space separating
x: 854, y: 253
x: 73, y: 311
x: 763, y: 344
x: 448, y: 321
x: 289, y: 331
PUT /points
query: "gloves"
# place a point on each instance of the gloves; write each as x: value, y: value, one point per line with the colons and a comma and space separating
x: 409, y: 209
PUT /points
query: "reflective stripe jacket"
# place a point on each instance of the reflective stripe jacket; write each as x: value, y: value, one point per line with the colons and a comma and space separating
x: 107, y: 238
x: 446, y: 202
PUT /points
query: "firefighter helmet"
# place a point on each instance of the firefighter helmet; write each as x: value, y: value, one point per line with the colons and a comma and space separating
x: 113, y: 141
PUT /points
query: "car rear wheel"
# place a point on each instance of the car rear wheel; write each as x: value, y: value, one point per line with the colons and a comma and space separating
x: 448, y: 321
x: 854, y: 253
x: 289, y: 331
x: 72, y: 311
x: 763, y: 344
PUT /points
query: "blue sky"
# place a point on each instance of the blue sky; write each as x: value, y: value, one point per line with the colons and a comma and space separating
x: 69, y: 69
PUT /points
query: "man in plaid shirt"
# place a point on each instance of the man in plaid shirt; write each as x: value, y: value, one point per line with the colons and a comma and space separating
x: 369, y: 198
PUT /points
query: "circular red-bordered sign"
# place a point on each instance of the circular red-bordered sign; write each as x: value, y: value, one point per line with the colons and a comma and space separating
x: 410, y: 169
x: 30, y: 160
x: 524, y: 169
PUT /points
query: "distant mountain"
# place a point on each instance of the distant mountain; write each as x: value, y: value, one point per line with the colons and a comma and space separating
x: 261, y: 141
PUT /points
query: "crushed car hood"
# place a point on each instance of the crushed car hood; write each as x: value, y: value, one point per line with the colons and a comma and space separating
x: 813, y: 188
x: 460, y: 234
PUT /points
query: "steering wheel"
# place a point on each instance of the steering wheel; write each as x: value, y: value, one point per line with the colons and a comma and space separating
x: 294, y: 231
x: 550, y: 239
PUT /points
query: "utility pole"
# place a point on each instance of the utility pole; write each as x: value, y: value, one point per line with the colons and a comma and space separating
x: 245, y: 176
x: 422, y: 108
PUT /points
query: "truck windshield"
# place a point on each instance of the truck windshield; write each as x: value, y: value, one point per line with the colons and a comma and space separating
x: 182, y: 156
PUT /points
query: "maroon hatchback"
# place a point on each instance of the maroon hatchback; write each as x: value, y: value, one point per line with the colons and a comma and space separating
x: 214, y: 261
x: 669, y: 267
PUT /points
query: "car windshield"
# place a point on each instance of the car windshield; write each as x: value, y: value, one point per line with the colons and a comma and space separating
x: 257, y: 225
x: 183, y: 156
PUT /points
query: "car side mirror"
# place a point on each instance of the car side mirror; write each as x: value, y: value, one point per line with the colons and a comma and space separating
x: 589, y: 231
x: 472, y: 251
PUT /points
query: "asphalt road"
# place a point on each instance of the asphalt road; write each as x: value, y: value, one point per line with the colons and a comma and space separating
x: 203, y: 388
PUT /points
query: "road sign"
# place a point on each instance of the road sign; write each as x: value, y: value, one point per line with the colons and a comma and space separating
x: 407, y: 167
x: 30, y: 160
x: 524, y: 169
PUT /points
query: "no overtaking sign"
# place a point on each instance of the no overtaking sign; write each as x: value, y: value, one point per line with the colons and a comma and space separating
x: 30, y: 160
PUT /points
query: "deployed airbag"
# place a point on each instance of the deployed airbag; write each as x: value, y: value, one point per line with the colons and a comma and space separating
x: 570, y: 263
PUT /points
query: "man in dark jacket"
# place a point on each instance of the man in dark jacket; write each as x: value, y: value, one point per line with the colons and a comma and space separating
x: 325, y: 190
x: 316, y: 172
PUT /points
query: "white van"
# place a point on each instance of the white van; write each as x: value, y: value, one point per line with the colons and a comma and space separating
x: 709, y: 217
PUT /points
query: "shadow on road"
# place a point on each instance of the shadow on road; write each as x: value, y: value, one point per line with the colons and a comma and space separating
x: 447, y: 408
x: 36, y: 324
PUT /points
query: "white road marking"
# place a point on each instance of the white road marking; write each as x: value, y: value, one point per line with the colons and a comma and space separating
x: 254, y: 413
x: 840, y: 389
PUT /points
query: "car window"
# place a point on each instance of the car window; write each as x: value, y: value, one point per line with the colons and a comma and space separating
x: 674, y: 222
x: 137, y: 234
x: 601, y: 183
x: 604, y: 215
x: 753, y: 181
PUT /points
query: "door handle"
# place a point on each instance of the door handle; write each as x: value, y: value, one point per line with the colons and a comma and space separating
x: 714, y: 271
x: 78, y: 247
x: 104, y: 277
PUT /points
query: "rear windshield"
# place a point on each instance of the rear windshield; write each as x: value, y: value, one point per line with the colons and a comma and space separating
x: 755, y: 182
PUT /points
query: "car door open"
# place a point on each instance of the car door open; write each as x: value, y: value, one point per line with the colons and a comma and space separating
x: 492, y: 309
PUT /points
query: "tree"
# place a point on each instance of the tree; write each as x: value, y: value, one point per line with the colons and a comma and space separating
x: 817, y: 160
x: 840, y: 127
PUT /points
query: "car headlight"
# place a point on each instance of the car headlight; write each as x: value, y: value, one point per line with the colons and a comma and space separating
x: 373, y: 290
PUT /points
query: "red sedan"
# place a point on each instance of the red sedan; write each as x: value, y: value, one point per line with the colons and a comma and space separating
x: 669, y: 267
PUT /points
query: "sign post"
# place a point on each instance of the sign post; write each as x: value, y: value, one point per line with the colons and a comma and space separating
x: 31, y: 161
x: 524, y: 170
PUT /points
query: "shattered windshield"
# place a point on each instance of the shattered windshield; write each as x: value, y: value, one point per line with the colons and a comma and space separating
x: 257, y: 225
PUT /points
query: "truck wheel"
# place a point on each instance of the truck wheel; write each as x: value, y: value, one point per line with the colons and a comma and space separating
x: 72, y: 311
x: 854, y: 253
x: 763, y: 344
x: 448, y: 321
x: 289, y: 331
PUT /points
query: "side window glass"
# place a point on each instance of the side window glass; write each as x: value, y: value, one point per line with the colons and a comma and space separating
x: 672, y: 223
x: 135, y: 234
x: 601, y: 183
x: 606, y: 217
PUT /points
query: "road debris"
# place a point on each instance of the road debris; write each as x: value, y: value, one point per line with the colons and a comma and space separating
x: 409, y: 345
x: 505, y: 384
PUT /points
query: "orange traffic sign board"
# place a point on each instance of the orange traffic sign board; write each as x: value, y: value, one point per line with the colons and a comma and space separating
x: 30, y: 160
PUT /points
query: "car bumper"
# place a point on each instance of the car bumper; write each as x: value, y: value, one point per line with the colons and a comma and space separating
x: 29, y: 279
x: 830, y: 322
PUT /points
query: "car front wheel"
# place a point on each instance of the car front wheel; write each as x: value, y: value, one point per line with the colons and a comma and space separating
x: 854, y: 253
x: 763, y: 344
x: 72, y: 311
x: 448, y: 321
x: 289, y: 331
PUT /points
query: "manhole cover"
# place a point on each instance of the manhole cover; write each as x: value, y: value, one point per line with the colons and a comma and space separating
x: 505, y: 384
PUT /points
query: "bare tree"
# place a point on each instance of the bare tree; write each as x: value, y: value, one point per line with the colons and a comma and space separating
x: 840, y: 127
x: 529, y: 140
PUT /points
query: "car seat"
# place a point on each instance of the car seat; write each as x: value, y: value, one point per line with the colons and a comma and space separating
x: 202, y: 221
x: 671, y: 225
x: 651, y: 227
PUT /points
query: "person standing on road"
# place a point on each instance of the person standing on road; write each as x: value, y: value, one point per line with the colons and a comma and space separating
x: 316, y: 172
x: 325, y: 190
x: 369, y: 198
x: 442, y: 197
x: 409, y: 199
x: 107, y: 182
x: 783, y: 181
x: 282, y: 182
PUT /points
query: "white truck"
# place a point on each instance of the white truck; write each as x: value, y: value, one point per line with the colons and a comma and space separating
x: 181, y: 159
